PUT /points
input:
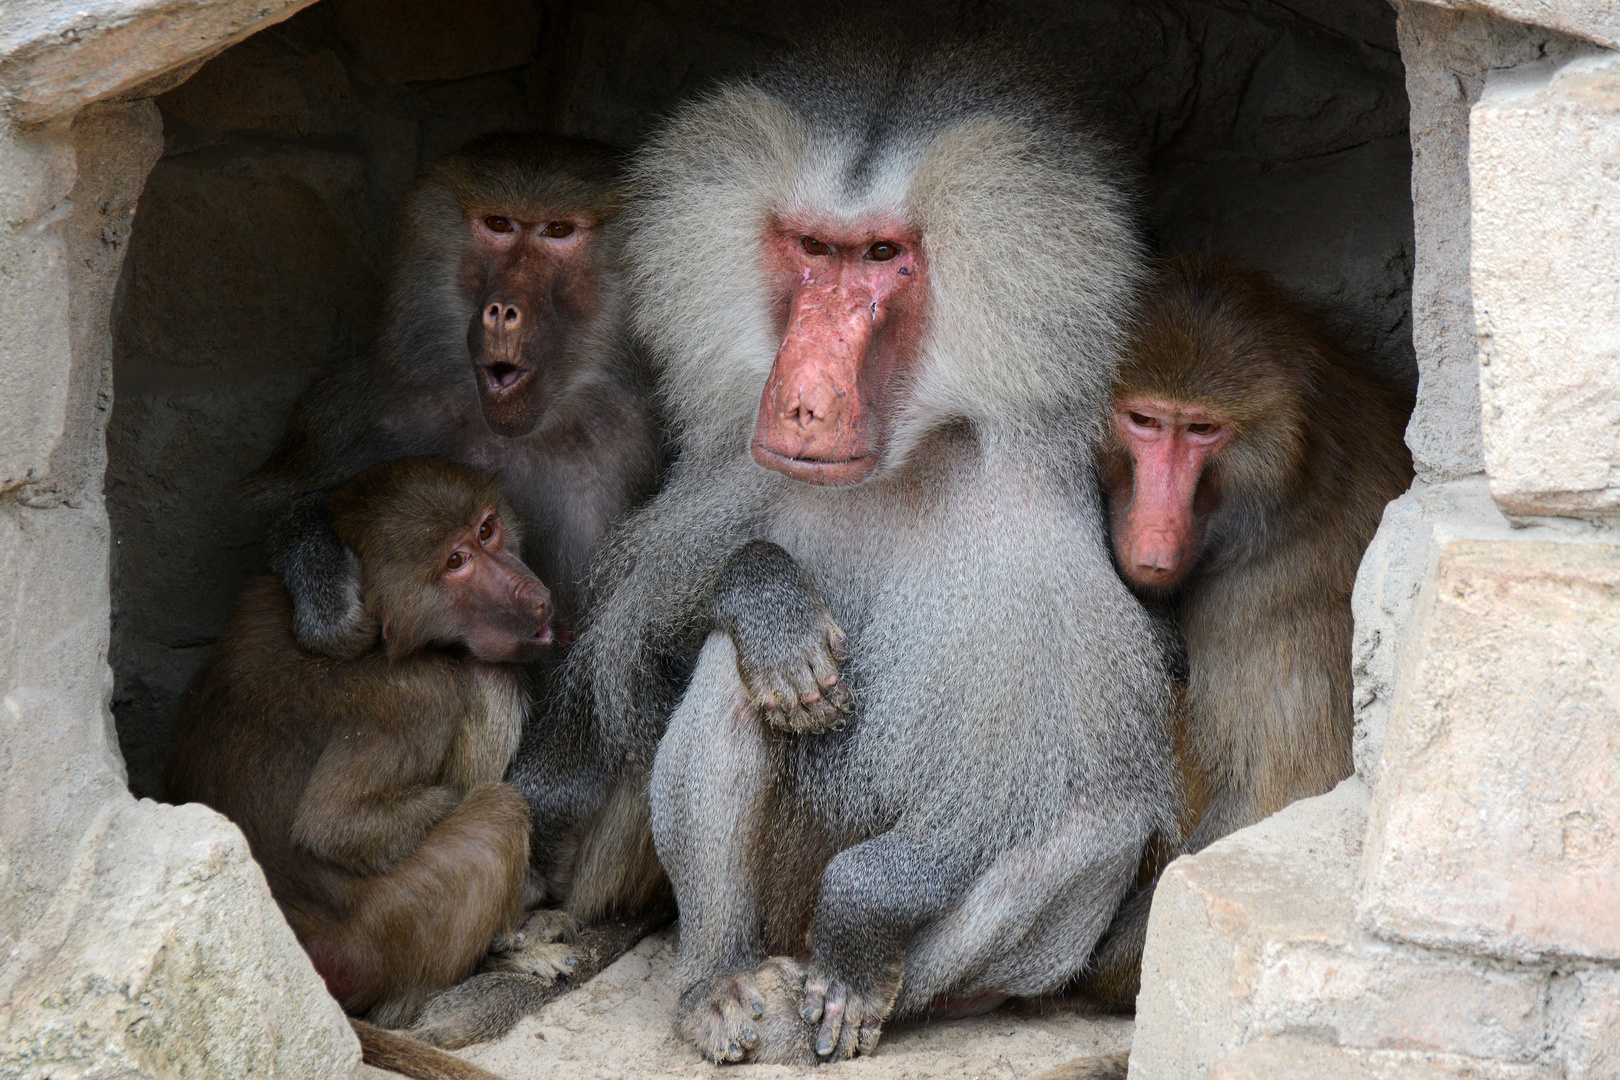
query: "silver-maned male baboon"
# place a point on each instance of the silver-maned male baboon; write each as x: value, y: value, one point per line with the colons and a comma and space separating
x: 915, y: 722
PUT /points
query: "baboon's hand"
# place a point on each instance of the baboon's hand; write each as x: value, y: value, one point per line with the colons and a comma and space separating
x: 794, y: 679
x: 846, y: 1021
x: 749, y: 1016
x: 788, y: 646
x: 323, y: 579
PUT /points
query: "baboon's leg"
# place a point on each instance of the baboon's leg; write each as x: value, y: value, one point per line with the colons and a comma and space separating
x: 712, y: 773
x: 425, y: 923
x: 1031, y: 918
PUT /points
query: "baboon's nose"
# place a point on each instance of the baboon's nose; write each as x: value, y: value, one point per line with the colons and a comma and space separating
x: 499, y: 316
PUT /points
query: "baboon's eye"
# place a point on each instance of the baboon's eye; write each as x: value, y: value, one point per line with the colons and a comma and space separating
x: 498, y: 224
x: 812, y: 246
x: 1143, y: 420
x: 1203, y: 429
x: 558, y: 229
x: 883, y: 251
x: 486, y: 530
x: 457, y: 560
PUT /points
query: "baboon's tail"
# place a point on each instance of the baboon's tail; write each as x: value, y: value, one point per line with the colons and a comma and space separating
x: 402, y: 1054
x: 1103, y: 1067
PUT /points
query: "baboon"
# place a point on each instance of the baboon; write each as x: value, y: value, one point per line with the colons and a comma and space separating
x: 370, y: 789
x: 1249, y: 462
x: 502, y: 349
x: 886, y: 293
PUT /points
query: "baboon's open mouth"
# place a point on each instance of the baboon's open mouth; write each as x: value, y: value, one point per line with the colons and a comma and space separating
x: 502, y: 376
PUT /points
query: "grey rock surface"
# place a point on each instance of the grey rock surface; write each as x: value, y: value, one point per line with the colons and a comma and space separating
x: 1255, y: 938
x: 1494, y: 821
x: 138, y: 940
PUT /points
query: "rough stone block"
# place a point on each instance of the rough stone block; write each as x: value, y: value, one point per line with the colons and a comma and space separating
x: 56, y: 58
x: 36, y: 174
x: 1598, y: 20
x: 1544, y: 147
x: 1255, y: 937
x: 1299, y: 1059
x: 163, y: 955
x: 1447, y: 55
x: 1498, y: 807
x: 1586, y: 1022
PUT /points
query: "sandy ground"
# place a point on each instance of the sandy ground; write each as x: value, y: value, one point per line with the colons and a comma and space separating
x: 618, y: 1025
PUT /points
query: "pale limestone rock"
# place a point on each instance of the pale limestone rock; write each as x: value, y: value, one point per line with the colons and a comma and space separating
x: 1298, y: 1057
x: 138, y: 940
x: 1447, y: 54
x: 619, y: 1025
x: 36, y: 173
x: 1546, y: 294
x: 1392, y: 575
x: 1586, y: 1026
x: 56, y: 58
x: 1255, y: 937
x: 1598, y: 20
x: 1497, y: 814
x: 162, y: 954
x: 1387, y: 587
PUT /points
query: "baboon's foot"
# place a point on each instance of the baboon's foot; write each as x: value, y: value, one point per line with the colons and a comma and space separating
x: 847, y: 1021
x: 545, y: 925
x: 750, y: 1016
x: 548, y: 960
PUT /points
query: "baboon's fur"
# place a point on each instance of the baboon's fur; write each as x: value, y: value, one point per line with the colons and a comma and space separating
x: 972, y: 827
x: 596, y: 449
x: 1290, y: 506
x: 370, y: 789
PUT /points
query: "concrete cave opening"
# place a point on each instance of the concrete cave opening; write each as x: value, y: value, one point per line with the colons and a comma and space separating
x: 199, y: 198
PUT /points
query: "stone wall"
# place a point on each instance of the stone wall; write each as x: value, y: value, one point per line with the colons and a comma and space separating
x: 1275, y: 131
x: 138, y: 939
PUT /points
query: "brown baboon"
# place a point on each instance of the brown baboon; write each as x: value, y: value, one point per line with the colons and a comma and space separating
x: 370, y: 789
x: 886, y: 292
x: 503, y: 349
x: 1250, y: 459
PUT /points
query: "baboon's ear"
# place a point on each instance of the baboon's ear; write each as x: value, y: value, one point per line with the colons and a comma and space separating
x: 325, y: 581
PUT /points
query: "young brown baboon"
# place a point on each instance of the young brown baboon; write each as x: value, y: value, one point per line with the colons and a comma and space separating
x: 886, y: 292
x: 1249, y: 462
x: 370, y: 789
x: 503, y: 349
